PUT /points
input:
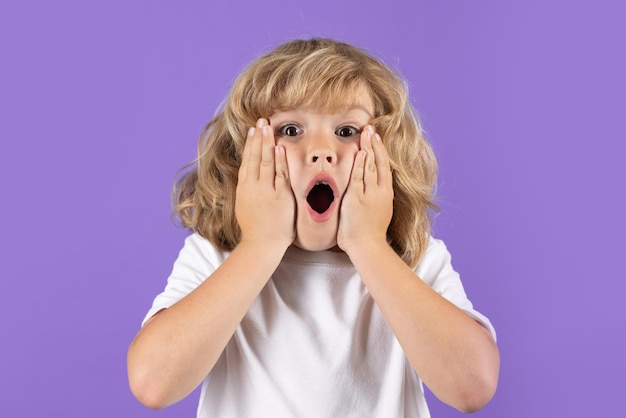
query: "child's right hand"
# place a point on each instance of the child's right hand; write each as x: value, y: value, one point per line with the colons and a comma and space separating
x: 264, y: 205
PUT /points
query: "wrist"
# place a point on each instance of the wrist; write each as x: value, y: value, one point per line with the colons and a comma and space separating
x: 366, y: 248
x: 265, y: 248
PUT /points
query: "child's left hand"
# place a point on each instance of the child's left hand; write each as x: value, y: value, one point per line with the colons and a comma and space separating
x: 367, y: 205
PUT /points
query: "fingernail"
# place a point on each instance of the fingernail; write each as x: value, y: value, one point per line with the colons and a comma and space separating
x: 370, y: 130
x: 260, y: 123
x: 378, y: 138
x: 250, y: 131
x: 265, y: 130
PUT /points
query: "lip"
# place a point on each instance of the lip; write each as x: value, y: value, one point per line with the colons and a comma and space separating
x: 322, y: 178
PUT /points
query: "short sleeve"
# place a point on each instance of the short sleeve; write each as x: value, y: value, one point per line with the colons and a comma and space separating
x: 436, y: 270
x: 196, y: 261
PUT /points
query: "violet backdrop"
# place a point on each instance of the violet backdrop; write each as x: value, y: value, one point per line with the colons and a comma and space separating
x: 102, y: 102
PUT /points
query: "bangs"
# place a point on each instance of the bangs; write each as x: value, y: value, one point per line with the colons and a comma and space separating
x: 324, y: 80
x: 325, y: 96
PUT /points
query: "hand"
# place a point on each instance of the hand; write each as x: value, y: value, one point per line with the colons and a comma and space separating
x: 264, y: 205
x: 367, y: 206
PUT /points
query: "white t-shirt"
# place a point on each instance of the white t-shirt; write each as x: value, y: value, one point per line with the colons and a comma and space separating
x: 314, y: 343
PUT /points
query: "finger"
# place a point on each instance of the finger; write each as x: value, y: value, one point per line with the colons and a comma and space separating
x: 370, y: 175
x: 245, y: 155
x: 383, y: 167
x: 267, y: 164
x: 356, y: 178
x: 256, y: 149
x: 281, y: 180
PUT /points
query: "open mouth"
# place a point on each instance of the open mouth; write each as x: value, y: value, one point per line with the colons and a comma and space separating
x: 320, y: 197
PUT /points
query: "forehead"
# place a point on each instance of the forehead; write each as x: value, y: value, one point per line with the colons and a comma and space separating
x: 323, y: 99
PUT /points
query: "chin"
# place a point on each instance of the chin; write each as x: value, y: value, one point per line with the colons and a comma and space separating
x: 316, y: 244
x: 317, y: 226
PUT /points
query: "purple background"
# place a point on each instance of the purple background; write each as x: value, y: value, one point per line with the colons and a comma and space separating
x: 101, y: 103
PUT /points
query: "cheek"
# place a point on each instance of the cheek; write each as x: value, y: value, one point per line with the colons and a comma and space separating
x: 345, y: 164
x: 347, y: 153
x: 349, y: 149
x: 294, y: 164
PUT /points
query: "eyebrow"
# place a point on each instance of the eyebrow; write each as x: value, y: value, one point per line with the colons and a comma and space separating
x: 289, y: 116
x: 353, y: 107
x: 341, y: 110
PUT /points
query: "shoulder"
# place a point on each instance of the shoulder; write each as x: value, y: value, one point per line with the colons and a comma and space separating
x: 436, y: 269
x: 197, y: 260
x: 436, y: 245
x: 198, y: 249
x: 436, y: 254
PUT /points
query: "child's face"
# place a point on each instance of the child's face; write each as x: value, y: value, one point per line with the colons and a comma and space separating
x: 320, y: 150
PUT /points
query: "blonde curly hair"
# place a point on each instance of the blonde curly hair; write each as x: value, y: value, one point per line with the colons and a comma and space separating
x: 318, y: 74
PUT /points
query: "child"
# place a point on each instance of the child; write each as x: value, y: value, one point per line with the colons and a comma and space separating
x: 311, y: 286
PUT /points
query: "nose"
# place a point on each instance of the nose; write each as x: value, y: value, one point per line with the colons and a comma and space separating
x: 322, y: 151
x: 328, y: 158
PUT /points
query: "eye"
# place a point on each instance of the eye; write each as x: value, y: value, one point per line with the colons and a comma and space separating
x: 347, y: 131
x: 289, y: 130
